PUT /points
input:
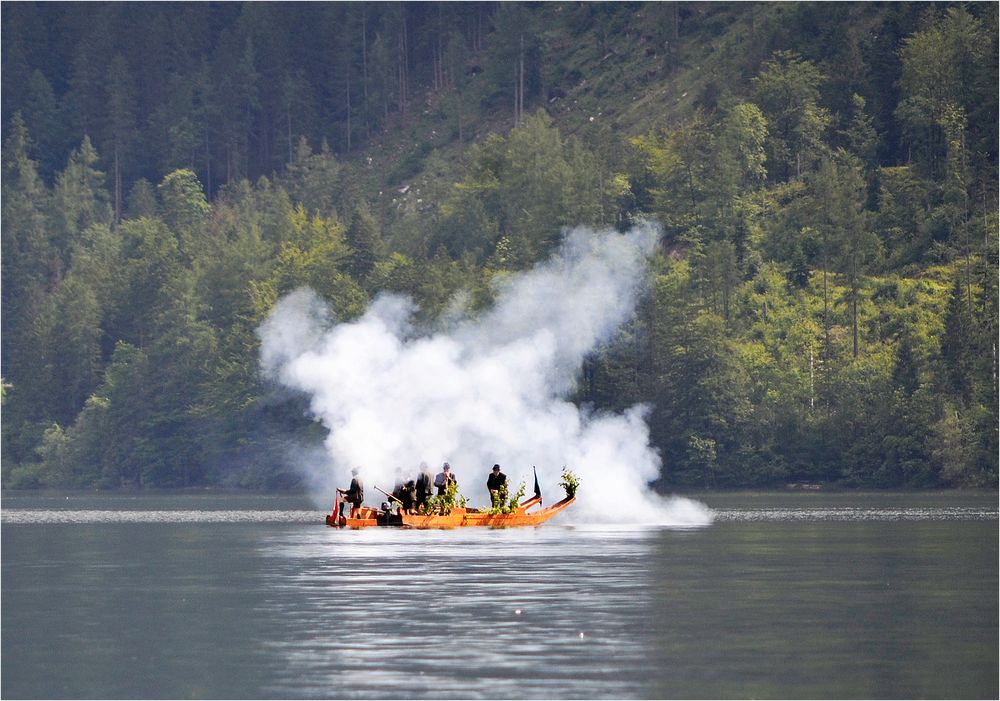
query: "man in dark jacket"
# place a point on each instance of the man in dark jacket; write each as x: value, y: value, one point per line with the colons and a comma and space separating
x: 355, y: 494
x: 423, y: 487
x: 444, y: 478
x: 497, y: 484
x: 407, y: 496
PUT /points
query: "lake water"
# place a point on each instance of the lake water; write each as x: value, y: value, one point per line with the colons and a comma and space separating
x: 784, y: 595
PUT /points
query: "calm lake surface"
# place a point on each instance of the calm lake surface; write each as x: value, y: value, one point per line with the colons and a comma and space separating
x: 797, y: 595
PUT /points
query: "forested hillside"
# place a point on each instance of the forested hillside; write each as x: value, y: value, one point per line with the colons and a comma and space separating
x: 823, y: 306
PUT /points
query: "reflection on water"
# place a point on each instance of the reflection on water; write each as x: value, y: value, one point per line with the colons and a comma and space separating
x: 782, y: 596
x: 494, y: 614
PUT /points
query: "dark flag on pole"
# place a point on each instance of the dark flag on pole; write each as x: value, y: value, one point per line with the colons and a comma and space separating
x: 538, y: 490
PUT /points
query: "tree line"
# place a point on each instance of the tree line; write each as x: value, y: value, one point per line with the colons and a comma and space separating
x: 823, y: 307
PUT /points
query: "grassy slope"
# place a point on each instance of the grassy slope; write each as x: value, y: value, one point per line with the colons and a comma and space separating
x: 626, y: 86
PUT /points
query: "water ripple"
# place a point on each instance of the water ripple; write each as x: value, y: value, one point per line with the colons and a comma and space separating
x: 81, y: 516
x: 22, y: 516
x: 954, y: 513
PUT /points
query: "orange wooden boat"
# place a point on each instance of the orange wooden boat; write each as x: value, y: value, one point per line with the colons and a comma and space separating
x: 457, y: 518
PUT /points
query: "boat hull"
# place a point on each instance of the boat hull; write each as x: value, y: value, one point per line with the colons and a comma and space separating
x: 458, y: 518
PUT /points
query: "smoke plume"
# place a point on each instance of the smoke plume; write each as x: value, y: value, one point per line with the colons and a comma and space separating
x: 490, y: 389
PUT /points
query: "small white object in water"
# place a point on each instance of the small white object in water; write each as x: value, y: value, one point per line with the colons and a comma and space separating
x: 517, y: 612
x: 581, y: 635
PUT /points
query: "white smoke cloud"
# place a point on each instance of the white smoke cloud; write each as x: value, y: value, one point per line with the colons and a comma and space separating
x: 488, y: 390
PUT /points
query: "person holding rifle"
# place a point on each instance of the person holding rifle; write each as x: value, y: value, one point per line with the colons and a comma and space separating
x: 407, y: 496
x: 354, y: 495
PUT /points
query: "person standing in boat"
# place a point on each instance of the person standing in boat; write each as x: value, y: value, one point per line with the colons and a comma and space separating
x: 444, y: 478
x: 423, y: 487
x: 400, y: 481
x: 397, y: 488
x: 407, y: 496
x: 497, y: 484
x: 355, y: 494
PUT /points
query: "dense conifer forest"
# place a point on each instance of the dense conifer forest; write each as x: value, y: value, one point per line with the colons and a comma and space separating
x: 823, y: 306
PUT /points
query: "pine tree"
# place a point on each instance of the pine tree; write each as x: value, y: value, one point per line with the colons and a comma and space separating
x: 79, y: 197
x: 365, y: 243
x: 122, y: 124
